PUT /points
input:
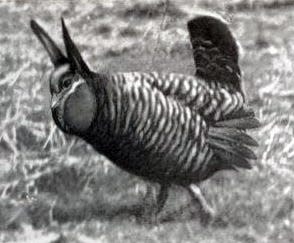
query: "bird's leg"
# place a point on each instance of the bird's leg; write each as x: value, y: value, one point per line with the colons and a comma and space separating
x: 161, y: 197
x: 154, y: 204
x: 149, y: 191
x: 149, y: 197
x: 148, y: 202
x: 207, y: 210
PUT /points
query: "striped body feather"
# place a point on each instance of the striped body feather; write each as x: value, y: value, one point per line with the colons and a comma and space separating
x: 213, y: 100
x: 154, y: 125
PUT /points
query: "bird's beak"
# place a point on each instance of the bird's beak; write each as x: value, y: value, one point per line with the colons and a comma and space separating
x: 54, y: 101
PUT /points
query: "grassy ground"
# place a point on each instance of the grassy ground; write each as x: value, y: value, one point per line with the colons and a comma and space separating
x: 56, y: 189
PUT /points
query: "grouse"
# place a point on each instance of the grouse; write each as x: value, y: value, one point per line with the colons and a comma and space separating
x: 167, y: 128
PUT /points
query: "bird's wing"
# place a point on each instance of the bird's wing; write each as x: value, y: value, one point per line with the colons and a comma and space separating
x: 215, y: 50
x: 186, y: 89
x: 213, y: 103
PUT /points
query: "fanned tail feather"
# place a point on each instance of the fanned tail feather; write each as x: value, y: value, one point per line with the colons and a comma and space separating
x: 241, y: 113
x: 224, y: 161
x: 232, y: 135
x: 240, y: 123
x: 231, y: 144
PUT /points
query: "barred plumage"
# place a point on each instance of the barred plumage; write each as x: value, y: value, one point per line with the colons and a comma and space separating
x: 167, y: 128
x: 164, y: 132
x: 163, y: 129
x: 213, y: 100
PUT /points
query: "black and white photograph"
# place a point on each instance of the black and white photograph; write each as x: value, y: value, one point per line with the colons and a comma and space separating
x: 146, y: 121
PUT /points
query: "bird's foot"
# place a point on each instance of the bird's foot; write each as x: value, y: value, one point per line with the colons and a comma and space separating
x: 148, y: 216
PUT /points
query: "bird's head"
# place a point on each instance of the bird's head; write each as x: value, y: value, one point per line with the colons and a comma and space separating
x: 73, y: 100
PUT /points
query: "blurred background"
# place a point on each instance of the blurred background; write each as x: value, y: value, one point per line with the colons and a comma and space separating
x: 55, y: 188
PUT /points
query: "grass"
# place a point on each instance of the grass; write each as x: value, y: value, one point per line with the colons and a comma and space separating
x: 55, y: 188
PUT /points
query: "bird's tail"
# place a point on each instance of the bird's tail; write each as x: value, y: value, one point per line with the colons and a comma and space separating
x: 230, y: 142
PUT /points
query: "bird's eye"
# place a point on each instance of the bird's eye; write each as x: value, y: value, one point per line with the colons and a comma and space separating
x: 66, y: 83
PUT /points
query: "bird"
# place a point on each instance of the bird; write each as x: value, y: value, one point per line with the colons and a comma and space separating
x: 166, y: 128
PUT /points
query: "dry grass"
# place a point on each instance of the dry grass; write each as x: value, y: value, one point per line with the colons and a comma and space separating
x: 56, y: 189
